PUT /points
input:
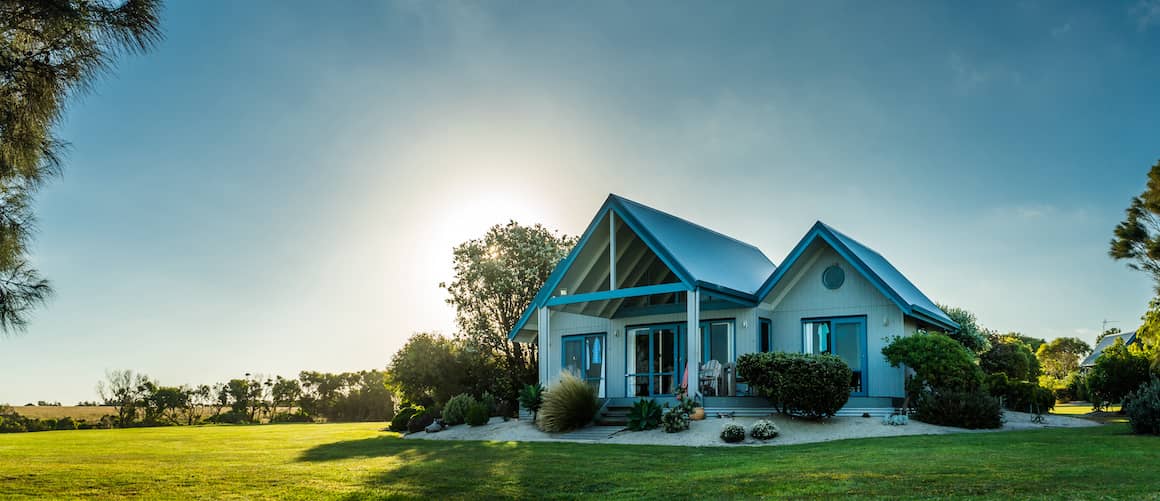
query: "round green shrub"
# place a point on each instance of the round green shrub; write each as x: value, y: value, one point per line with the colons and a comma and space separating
x: 420, y: 421
x: 488, y: 400
x: 764, y: 429
x: 568, y: 405
x: 963, y: 409
x: 1143, y: 408
x: 478, y: 414
x: 399, y: 422
x: 811, y: 386
x: 1119, y: 371
x: 733, y: 433
x: 455, y: 412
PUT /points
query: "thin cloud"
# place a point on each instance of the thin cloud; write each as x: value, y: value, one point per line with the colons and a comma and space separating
x: 1147, y: 14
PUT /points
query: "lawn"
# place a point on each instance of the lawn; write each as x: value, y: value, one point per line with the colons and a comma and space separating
x: 356, y: 461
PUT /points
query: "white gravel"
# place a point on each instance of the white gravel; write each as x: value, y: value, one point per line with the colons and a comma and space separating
x: 706, y: 432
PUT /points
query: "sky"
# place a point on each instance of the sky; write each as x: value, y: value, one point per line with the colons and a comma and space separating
x: 278, y: 186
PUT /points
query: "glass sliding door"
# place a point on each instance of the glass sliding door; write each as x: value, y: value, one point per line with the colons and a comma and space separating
x: 584, y: 356
x: 841, y: 336
x: 655, y: 360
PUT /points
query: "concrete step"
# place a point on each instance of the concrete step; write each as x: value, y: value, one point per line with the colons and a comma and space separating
x: 712, y: 412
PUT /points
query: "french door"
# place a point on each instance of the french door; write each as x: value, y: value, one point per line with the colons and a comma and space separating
x: 656, y: 359
x: 584, y: 356
x: 841, y: 336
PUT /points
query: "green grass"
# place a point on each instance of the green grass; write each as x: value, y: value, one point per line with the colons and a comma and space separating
x: 355, y: 461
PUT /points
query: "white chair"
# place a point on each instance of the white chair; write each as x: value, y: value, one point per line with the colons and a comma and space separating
x: 711, y: 377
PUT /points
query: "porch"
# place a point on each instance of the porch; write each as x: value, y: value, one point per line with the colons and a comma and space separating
x: 759, y: 406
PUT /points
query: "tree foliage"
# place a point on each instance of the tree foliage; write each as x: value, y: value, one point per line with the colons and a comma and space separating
x: 970, y: 334
x: 1010, y: 355
x: 1061, y: 356
x: 49, y: 49
x: 1119, y: 371
x: 938, y: 362
x: 1137, y: 238
x: 496, y: 278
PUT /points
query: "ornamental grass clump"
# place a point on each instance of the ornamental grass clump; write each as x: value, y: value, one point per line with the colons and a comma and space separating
x: 568, y: 405
x: 733, y: 433
x: 764, y: 429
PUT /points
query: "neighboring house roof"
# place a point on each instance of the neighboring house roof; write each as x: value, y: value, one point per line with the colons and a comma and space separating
x: 701, y: 257
x: 1105, y: 343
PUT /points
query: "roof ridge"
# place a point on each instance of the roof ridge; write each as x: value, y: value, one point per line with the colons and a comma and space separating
x: 690, y: 223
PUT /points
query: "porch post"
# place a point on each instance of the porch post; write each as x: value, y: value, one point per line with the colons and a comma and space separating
x: 545, y: 345
x: 693, y: 341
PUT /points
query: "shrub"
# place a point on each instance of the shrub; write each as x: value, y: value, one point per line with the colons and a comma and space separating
x: 532, y: 397
x: 420, y: 421
x: 478, y: 414
x: 1119, y: 371
x: 455, y: 412
x: 1143, y: 408
x: 733, y: 433
x: 295, y: 417
x: 964, y: 409
x: 675, y: 420
x: 644, y: 415
x: 488, y: 400
x: 569, y: 405
x: 504, y: 410
x: 812, y: 386
x: 399, y: 422
x: 938, y: 362
x: 65, y: 423
x: 764, y: 429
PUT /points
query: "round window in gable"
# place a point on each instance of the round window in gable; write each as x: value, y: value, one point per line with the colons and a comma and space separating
x: 833, y: 277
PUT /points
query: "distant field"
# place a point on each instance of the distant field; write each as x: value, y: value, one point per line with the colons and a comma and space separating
x: 357, y: 461
x: 75, y: 412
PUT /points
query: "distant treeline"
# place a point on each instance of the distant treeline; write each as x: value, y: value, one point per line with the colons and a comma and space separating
x: 138, y: 400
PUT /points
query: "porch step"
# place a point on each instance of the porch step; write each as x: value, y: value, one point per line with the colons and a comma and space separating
x: 712, y: 412
x: 613, y: 415
x: 594, y: 433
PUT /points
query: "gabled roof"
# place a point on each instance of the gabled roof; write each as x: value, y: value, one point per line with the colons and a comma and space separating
x: 706, y: 255
x: 698, y: 256
x: 1105, y: 343
x: 889, y: 281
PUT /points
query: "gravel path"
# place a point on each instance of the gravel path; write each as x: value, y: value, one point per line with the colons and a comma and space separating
x: 705, y: 433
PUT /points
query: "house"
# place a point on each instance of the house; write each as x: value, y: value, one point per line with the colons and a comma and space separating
x: 1129, y: 339
x: 645, y: 292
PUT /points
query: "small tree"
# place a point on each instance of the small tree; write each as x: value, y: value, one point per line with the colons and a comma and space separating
x: 1061, y: 356
x: 1011, y: 356
x: 1119, y: 371
x: 970, y: 334
x: 124, y: 392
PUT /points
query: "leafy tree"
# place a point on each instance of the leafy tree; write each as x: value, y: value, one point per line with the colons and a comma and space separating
x: 1119, y: 371
x: 1011, y: 356
x: 1061, y: 356
x: 285, y: 393
x: 199, y: 399
x: 970, y: 334
x: 1137, y: 237
x: 426, y: 370
x: 50, y: 49
x: 496, y: 278
x: 123, y: 391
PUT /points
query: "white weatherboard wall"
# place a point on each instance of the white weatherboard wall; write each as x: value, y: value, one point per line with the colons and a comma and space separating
x: 801, y: 295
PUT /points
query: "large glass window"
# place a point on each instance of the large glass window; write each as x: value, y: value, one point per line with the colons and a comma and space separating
x: 844, y: 337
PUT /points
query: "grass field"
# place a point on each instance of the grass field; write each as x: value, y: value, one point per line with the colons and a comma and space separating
x: 356, y: 461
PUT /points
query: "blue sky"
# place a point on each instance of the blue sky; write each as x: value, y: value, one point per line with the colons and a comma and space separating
x: 278, y: 186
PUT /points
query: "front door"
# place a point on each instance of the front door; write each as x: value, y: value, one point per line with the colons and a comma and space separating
x: 844, y: 337
x: 656, y: 358
x: 584, y: 356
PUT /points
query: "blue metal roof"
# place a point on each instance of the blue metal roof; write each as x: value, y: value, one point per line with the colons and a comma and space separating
x: 891, y: 282
x: 1107, y: 341
x: 708, y: 256
x: 705, y: 258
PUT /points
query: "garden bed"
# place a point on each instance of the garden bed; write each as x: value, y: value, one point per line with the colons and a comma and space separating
x: 706, y: 433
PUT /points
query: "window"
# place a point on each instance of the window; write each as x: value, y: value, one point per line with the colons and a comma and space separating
x: 833, y: 277
x: 764, y: 335
x: 584, y: 356
x: 717, y: 341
